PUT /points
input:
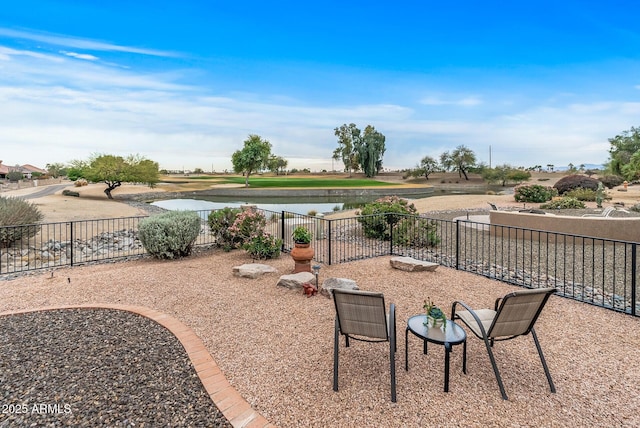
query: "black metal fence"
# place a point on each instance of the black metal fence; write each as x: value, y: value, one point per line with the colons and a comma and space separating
x: 597, y: 271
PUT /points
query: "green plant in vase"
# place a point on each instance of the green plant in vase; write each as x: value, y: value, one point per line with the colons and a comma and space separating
x: 435, y: 315
x: 301, y: 235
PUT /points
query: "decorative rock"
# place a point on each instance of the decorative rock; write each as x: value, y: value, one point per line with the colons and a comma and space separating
x: 252, y: 270
x: 329, y: 284
x: 410, y: 264
x: 294, y: 281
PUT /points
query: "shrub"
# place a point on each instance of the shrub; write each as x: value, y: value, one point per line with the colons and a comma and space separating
x: 565, y: 203
x: 416, y: 232
x: 20, y: 214
x: 582, y: 194
x: 263, y: 246
x: 635, y: 208
x: 219, y: 223
x: 67, y: 192
x: 611, y: 181
x: 14, y: 176
x: 247, y: 224
x: 378, y: 217
x: 570, y: 182
x: 170, y: 235
x: 534, y: 193
x: 80, y: 182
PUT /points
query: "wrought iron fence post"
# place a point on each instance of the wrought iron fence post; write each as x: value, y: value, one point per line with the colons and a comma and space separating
x: 282, y: 229
x: 457, y: 244
x: 71, y: 243
x: 634, y: 283
x: 330, y: 238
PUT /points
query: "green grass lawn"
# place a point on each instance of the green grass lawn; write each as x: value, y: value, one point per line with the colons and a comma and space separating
x: 265, y: 182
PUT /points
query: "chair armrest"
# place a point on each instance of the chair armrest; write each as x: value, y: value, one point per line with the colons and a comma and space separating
x: 473, y: 314
x: 392, y: 320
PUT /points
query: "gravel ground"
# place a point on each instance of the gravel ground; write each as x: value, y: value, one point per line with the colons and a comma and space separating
x: 97, y: 367
x: 276, y: 347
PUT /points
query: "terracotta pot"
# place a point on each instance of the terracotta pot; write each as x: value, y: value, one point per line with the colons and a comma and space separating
x: 302, y: 255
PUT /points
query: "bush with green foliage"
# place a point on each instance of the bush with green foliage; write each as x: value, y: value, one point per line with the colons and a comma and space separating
x: 416, y: 232
x: 263, y: 246
x: 534, y: 193
x: 582, y: 194
x: 67, y: 192
x: 378, y: 217
x: 14, y: 176
x: 565, y: 203
x: 219, y: 223
x: 611, y: 181
x: 247, y: 224
x: 575, y: 181
x: 18, y: 220
x: 170, y: 235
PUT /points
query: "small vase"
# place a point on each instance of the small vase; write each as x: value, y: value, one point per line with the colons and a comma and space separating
x: 432, y: 322
x: 302, y: 255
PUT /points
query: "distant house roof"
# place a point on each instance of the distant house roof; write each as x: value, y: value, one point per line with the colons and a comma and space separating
x: 31, y: 168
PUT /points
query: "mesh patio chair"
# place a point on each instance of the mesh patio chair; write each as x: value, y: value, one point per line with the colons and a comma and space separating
x: 360, y: 315
x: 514, y: 315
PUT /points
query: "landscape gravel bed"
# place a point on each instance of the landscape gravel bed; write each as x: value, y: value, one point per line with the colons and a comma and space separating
x: 275, y: 346
x: 97, y: 367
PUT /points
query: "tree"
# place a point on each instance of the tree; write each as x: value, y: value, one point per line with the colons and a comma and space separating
x: 461, y: 159
x: 623, y: 147
x: 370, y: 149
x: 346, y: 151
x: 277, y: 164
x: 504, y: 174
x: 115, y: 170
x: 427, y: 166
x: 252, y: 158
x: 56, y: 170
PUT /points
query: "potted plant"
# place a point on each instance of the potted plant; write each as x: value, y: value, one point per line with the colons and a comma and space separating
x: 302, y: 252
x: 435, y: 316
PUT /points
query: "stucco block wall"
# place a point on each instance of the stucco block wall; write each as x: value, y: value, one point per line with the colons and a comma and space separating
x: 622, y: 229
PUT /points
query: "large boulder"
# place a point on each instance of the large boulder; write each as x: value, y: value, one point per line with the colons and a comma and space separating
x: 329, y: 284
x: 294, y: 281
x: 252, y: 270
x: 410, y: 264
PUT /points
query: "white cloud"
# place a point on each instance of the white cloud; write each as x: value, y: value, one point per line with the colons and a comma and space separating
x: 79, y: 43
x: 469, y: 101
x: 87, y: 57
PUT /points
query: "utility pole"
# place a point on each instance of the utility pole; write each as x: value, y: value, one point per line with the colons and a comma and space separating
x: 489, y: 156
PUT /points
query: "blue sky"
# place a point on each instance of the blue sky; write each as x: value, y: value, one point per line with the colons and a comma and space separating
x: 184, y: 83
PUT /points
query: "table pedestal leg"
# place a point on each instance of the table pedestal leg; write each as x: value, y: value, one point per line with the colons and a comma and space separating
x: 447, y: 351
x: 406, y: 349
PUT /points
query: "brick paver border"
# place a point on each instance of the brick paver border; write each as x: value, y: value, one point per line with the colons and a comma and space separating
x: 235, y: 408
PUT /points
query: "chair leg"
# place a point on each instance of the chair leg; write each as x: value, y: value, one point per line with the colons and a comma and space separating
x: 336, y: 343
x: 544, y: 362
x: 495, y: 369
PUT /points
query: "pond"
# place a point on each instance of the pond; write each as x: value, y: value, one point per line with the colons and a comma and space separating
x: 298, y: 205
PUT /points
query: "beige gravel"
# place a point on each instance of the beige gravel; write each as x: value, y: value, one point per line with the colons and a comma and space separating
x: 276, y: 346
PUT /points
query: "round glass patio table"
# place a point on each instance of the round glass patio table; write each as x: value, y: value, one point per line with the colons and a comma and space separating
x: 452, y: 335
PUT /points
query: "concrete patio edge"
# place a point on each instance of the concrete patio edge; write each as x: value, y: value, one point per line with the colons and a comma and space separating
x: 235, y: 408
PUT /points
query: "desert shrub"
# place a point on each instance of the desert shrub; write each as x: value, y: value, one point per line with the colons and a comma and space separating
x: 611, y: 181
x: 576, y: 181
x: 219, y: 223
x: 312, y: 213
x: 14, y: 176
x: 67, y: 192
x: 416, y: 232
x: 582, y: 194
x: 21, y: 216
x: 80, y: 182
x: 247, y: 224
x: 635, y: 208
x: 170, y: 235
x: 490, y: 192
x: 565, y: 203
x: 263, y: 246
x: 378, y: 217
x: 534, y: 193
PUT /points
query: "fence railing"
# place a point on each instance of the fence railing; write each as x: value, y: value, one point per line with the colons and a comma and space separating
x: 593, y: 270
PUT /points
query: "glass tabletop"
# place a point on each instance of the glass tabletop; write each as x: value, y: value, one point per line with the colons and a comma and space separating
x: 452, y: 333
